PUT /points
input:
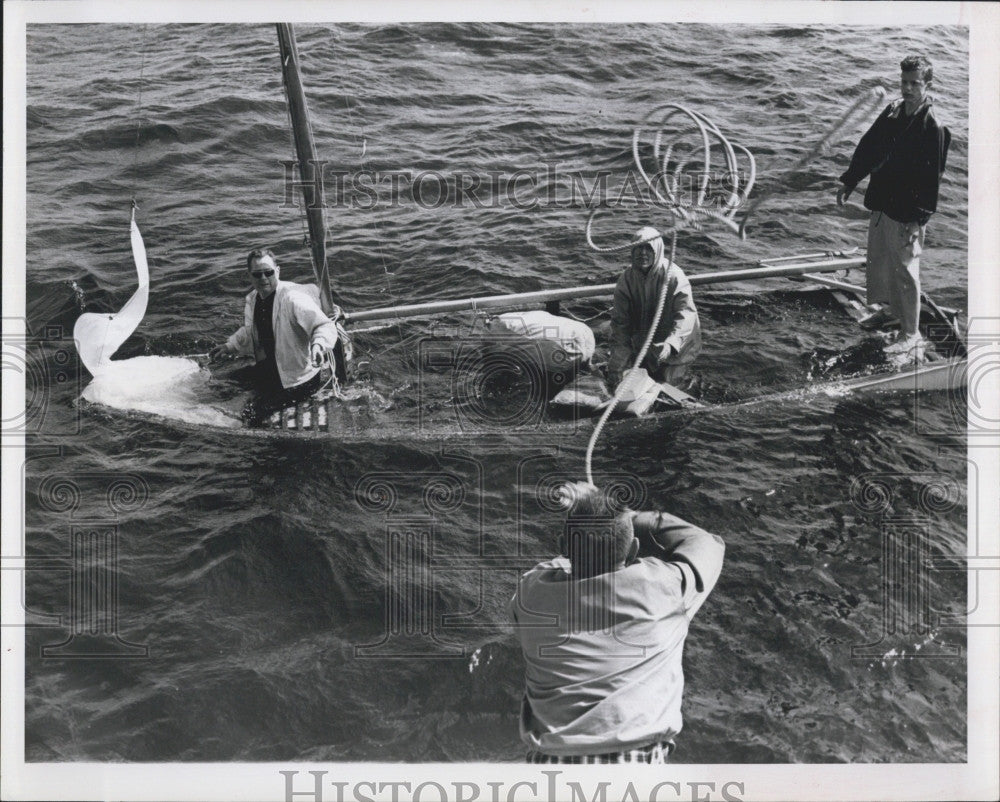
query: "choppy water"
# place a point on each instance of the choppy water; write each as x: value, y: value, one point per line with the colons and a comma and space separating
x: 253, y: 569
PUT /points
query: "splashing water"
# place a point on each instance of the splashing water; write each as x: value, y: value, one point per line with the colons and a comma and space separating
x: 169, y: 386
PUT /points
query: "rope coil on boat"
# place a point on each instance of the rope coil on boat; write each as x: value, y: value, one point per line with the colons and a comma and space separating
x: 665, y: 185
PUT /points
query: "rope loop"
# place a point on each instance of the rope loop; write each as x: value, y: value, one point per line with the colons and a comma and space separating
x: 688, y: 207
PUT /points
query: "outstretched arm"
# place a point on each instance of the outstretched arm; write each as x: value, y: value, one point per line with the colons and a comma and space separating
x: 673, y: 539
x: 240, y: 342
x: 869, y: 153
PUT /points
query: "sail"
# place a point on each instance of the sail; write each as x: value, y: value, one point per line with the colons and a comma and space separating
x: 99, y: 335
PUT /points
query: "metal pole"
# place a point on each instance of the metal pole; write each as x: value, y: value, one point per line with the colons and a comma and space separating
x: 525, y: 299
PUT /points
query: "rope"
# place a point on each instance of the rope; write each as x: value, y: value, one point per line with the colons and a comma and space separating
x: 665, y: 185
x: 138, y: 120
x: 611, y: 248
x: 682, y: 215
x: 594, y: 316
x: 865, y: 102
x: 620, y: 390
x: 332, y: 384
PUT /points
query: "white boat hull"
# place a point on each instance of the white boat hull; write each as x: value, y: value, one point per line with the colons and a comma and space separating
x: 931, y: 376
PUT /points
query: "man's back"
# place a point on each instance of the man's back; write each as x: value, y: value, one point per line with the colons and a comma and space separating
x: 603, y: 654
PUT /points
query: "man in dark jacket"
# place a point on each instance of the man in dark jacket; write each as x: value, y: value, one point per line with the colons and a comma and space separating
x: 904, y: 152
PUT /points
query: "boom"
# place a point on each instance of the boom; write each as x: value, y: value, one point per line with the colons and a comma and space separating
x: 525, y: 299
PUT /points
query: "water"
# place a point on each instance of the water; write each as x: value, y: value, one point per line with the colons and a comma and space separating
x: 257, y: 570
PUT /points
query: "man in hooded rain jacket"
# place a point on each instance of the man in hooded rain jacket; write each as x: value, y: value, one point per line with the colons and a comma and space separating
x: 677, y: 341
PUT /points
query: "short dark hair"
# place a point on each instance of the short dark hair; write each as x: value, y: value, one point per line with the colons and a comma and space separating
x: 597, y: 536
x: 260, y: 253
x: 911, y: 63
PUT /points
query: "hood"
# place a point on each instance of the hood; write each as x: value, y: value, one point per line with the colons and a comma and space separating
x: 652, y: 236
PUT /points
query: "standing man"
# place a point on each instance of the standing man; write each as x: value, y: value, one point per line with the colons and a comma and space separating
x: 905, y: 152
x: 285, y: 329
x: 678, y: 335
x: 602, y: 631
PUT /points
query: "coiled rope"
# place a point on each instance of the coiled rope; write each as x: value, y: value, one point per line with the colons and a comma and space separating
x: 665, y: 184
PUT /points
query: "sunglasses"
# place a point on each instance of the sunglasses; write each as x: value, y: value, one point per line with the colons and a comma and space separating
x: 263, y: 274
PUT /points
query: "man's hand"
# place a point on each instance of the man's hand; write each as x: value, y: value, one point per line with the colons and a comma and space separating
x: 843, y: 194
x: 316, y: 352
x: 218, y: 351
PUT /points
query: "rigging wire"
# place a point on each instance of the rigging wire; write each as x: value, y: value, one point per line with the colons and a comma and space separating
x: 138, y: 120
x: 362, y: 160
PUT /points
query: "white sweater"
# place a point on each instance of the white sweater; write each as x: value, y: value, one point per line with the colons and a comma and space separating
x: 298, y: 322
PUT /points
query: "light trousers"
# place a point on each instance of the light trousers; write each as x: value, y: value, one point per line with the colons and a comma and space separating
x: 894, y: 268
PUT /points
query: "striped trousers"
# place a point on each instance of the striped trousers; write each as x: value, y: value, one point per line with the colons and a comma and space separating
x: 654, y: 753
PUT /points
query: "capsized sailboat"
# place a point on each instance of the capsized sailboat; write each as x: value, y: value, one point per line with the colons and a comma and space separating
x: 100, y: 335
x: 945, y: 368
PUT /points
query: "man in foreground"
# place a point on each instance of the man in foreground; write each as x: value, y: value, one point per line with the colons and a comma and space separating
x: 677, y: 340
x: 602, y: 632
x: 288, y: 334
x: 905, y: 152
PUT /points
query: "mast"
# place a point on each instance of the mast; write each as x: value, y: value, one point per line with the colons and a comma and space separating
x: 305, y: 151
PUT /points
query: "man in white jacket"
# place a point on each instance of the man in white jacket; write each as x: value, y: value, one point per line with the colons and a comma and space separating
x: 286, y: 331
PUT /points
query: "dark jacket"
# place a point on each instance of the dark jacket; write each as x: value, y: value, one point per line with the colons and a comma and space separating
x: 906, y: 157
